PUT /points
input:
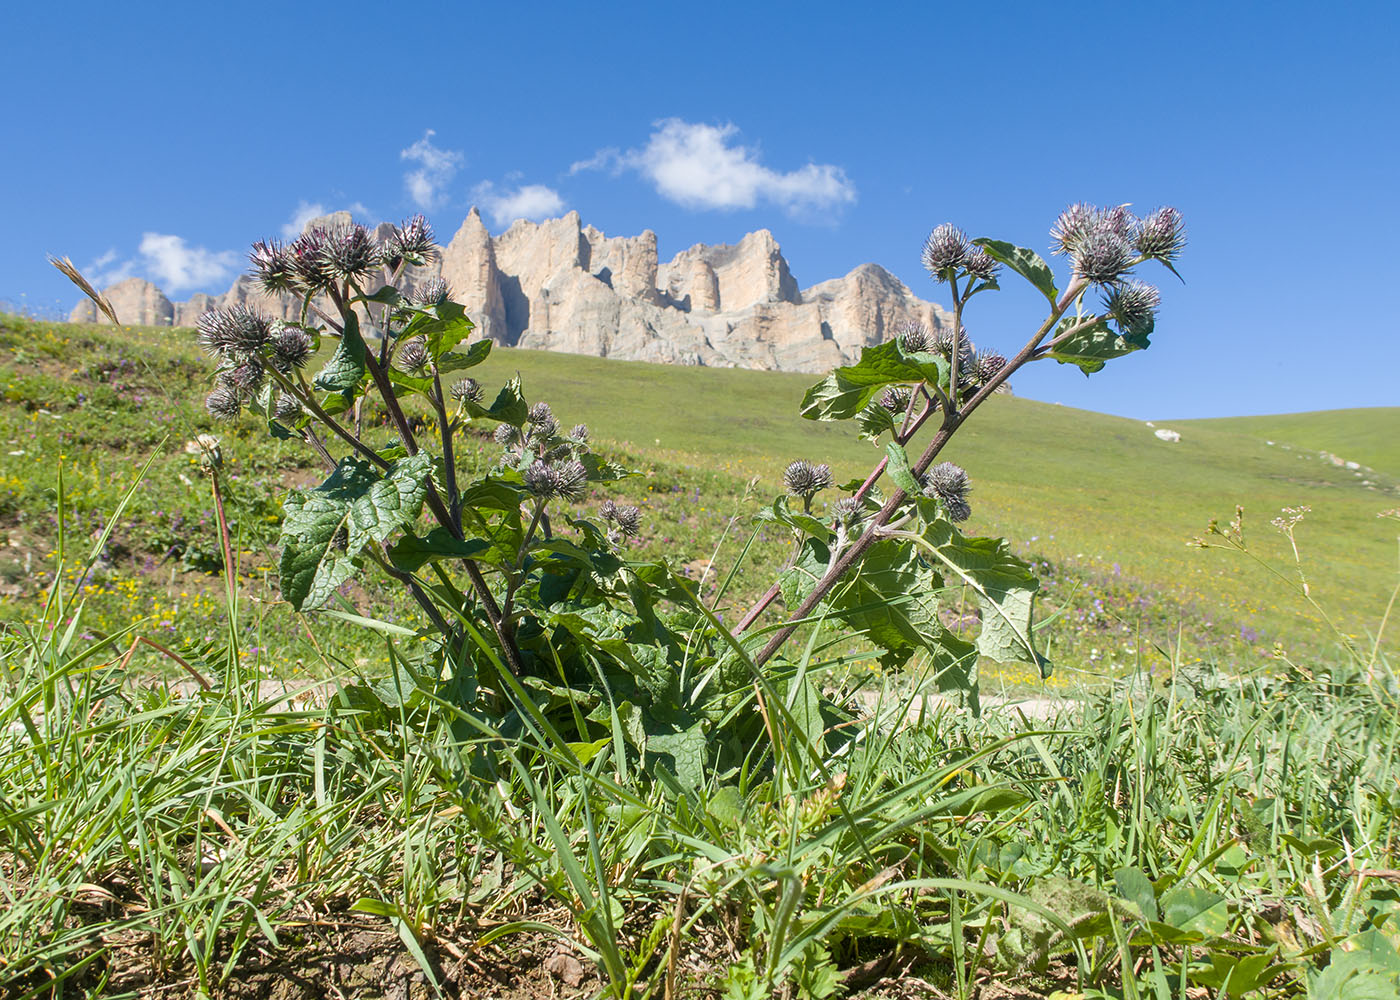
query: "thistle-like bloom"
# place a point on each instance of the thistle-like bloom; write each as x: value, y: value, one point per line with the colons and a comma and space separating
x: 413, y: 355
x: 943, y: 344
x: 846, y: 511
x: 987, y: 366
x: 1133, y: 306
x: 233, y: 333
x: 433, y: 293
x: 948, y: 484
x: 566, y: 480
x: 626, y: 520
x: 350, y: 252
x: 1161, y: 236
x: 291, y: 347
x: 944, y: 252
x: 273, y: 266
x: 223, y: 403
x: 410, y: 243
x: 542, y: 422
x: 913, y: 337
x: 895, y: 398
x: 980, y: 264
x: 805, y: 480
x: 1102, y: 256
x: 507, y: 436
x: 579, y: 434
x: 287, y: 408
x: 246, y: 378
x: 1073, y: 224
x: 468, y: 389
x: 308, y: 253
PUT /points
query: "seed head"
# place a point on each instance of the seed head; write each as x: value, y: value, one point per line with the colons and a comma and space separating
x: 913, y: 337
x: 468, y: 389
x: 413, y: 355
x: 1102, y: 256
x: 272, y: 266
x: 433, y: 293
x: 223, y: 403
x: 291, y: 347
x: 1161, y: 236
x: 945, y: 250
x: 410, y: 243
x: 980, y: 264
x: 1133, y: 306
x: 948, y: 484
x: 350, y: 252
x: 896, y: 398
x: 805, y: 480
x: 286, y: 408
x: 233, y: 333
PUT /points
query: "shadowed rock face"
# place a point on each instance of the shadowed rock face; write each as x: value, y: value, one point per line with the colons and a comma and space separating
x: 559, y: 285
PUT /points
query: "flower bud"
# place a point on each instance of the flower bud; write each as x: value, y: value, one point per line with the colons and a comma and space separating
x: 246, y: 379
x: 896, y: 398
x: 627, y: 519
x: 948, y: 484
x: 1161, y: 236
x: 413, y: 356
x: 980, y: 264
x: 987, y: 366
x: 291, y: 347
x: 805, y: 480
x: 913, y: 337
x: 223, y: 403
x: 467, y: 389
x: 1102, y: 257
x: 944, y: 251
x: 308, y: 253
x: 433, y: 293
x: 349, y: 252
x: 1133, y: 306
x: 410, y: 243
x: 273, y: 267
x: 287, y: 408
x: 233, y: 333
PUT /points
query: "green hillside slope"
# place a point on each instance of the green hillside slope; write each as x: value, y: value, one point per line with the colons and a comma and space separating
x: 1370, y: 437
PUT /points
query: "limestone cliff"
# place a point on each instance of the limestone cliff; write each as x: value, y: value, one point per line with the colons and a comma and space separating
x: 560, y: 285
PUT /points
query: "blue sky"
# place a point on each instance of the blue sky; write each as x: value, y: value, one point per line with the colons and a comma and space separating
x: 160, y: 139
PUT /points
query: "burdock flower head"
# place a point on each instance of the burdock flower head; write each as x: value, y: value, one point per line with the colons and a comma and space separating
x: 350, y: 252
x: 291, y: 347
x: 944, y: 252
x: 273, y: 266
x: 896, y: 398
x: 466, y: 389
x: 308, y: 255
x: 433, y: 293
x: 563, y: 480
x: 980, y: 264
x: 413, y: 355
x: 286, y: 408
x: 987, y: 366
x: 948, y: 484
x: 626, y: 521
x: 805, y: 480
x: 1102, y: 256
x: 914, y: 337
x: 542, y: 423
x: 1133, y: 306
x: 233, y: 334
x: 411, y: 243
x: 223, y: 403
x: 1161, y: 236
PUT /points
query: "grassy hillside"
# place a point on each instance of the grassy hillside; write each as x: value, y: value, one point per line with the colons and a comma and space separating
x: 1370, y: 437
x: 1103, y: 505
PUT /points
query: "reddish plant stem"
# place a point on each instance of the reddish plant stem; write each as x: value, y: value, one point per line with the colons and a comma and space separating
x: 951, y: 422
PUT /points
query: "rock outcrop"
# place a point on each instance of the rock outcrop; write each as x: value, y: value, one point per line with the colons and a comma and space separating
x: 560, y: 285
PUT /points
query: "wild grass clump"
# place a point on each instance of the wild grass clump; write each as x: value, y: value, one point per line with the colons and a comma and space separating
x: 570, y: 745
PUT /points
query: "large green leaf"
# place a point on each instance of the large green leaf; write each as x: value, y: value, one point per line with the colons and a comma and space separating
x: 411, y: 552
x: 443, y: 327
x: 1094, y: 346
x: 324, y: 529
x: 509, y: 407
x: 346, y: 368
x: 848, y: 390
x: 900, y: 470
x: 1025, y: 262
x: 1004, y: 584
x: 804, y: 524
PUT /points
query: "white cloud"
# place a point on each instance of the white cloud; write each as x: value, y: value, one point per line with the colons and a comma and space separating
x: 308, y: 210
x: 301, y: 215
x: 698, y: 166
x: 174, y: 265
x: 436, y: 168
x: 108, y: 269
x: 528, y: 201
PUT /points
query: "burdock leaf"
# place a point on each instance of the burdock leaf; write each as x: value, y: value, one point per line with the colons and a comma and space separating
x: 1025, y: 262
x: 443, y: 327
x: 847, y: 391
x: 900, y: 470
x: 1004, y: 584
x: 452, y: 361
x: 509, y: 408
x: 806, y: 524
x: 1094, y: 346
x: 324, y: 529
x: 875, y: 420
x: 346, y: 368
x: 410, y: 553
